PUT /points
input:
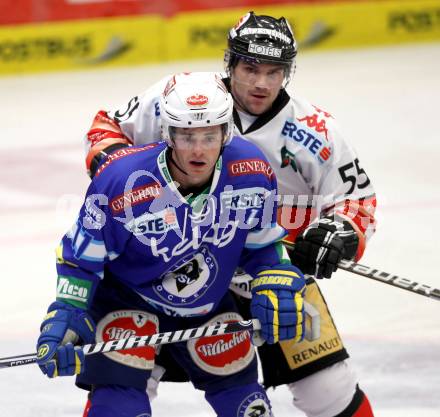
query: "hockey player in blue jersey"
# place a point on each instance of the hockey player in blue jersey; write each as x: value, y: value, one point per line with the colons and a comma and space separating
x: 158, y: 238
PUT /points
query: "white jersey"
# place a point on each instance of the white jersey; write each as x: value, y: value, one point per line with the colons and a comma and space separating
x: 317, y: 171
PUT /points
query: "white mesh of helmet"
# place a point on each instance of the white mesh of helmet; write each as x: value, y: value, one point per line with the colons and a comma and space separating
x: 196, y: 99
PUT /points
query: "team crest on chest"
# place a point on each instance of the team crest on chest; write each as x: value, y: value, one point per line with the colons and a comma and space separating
x: 189, y: 279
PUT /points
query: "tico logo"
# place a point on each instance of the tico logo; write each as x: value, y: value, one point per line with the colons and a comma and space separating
x: 197, y: 100
x: 288, y: 158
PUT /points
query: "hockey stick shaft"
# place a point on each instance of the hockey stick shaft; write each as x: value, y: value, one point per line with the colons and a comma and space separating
x: 385, y: 277
x: 390, y: 279
x: 142, y: 341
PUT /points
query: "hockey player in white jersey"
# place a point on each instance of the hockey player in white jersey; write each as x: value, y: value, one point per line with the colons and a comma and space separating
x: 327, y: 200
x: 147, y: 254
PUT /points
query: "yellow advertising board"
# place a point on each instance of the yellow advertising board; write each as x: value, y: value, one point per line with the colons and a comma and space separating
x: 194, y: 35
x: 316, y: 26
x: 80, y: 44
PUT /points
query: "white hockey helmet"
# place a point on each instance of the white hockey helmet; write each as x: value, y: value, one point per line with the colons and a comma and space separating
x: 196, y: 99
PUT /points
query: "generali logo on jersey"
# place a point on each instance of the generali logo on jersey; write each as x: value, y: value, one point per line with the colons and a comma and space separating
x: 136, y: 196
x: 223, y: 355
x: 250, y: 166
x: 197, y: 100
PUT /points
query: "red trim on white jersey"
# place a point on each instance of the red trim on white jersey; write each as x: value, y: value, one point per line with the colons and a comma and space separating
x: 359, y: 213
x: 103, y: 133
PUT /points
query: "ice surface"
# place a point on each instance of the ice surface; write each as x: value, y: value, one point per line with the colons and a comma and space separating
x: 387, y: 102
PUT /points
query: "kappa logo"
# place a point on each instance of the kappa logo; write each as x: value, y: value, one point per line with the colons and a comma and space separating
x: 314, y: 123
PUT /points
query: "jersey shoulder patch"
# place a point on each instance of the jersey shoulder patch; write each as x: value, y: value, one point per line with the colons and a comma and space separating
x: 310, y: 128
x: 244, y: 159
x: 120, y: 164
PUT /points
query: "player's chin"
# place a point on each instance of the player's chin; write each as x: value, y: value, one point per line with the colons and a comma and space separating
x: 259, y: 106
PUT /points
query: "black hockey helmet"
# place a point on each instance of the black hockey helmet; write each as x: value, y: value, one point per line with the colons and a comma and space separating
x: 261, y: 39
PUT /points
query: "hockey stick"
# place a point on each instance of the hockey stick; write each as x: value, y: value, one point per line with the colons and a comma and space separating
x: 390, y: 279
x: 385, y: 277
x: 142, y: 341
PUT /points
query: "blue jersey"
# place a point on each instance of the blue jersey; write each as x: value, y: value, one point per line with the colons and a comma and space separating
x: 178, y: 253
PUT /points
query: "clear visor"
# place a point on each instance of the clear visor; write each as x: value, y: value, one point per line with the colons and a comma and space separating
x: 286, y: 69
x: 206, y: 138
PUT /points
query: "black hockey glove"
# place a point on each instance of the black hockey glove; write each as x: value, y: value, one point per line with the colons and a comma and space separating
x: 320, y: 247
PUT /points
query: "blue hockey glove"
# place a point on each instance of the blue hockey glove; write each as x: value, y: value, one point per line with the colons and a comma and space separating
x: 63, y: 326
x: 277, y: 302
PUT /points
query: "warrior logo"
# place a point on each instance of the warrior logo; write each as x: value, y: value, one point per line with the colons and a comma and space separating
x: 255, y: 405
x: 288, y: 158
x: 189, y: 279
